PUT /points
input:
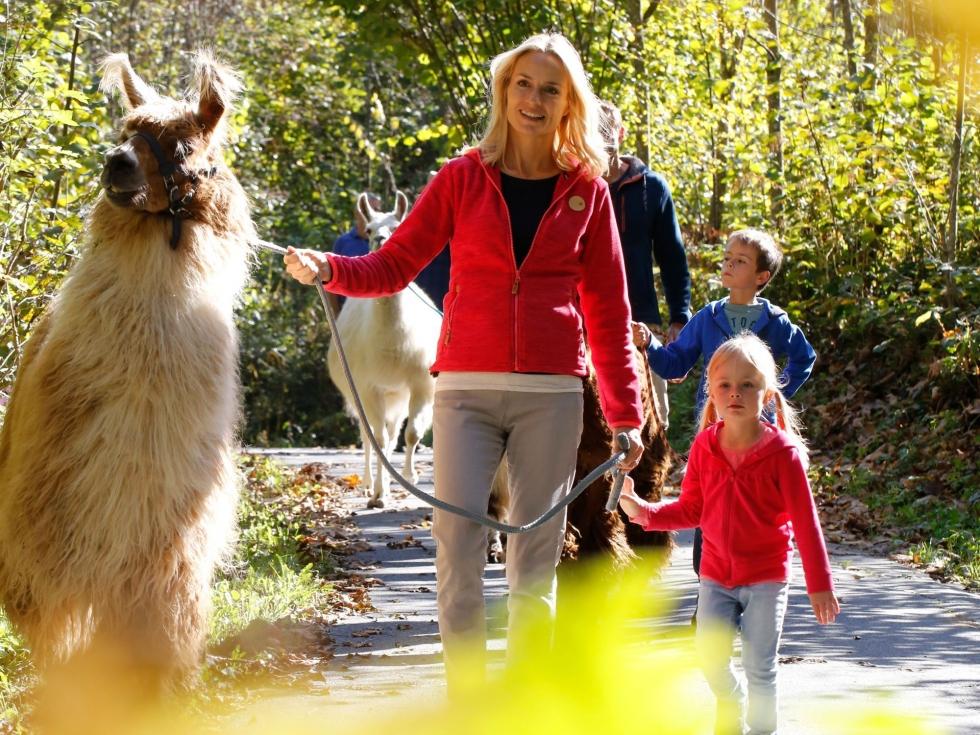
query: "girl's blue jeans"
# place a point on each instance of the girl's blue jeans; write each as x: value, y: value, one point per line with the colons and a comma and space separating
x: 757, y: 610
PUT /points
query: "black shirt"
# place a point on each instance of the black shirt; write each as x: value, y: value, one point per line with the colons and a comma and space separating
x: 527, y: 201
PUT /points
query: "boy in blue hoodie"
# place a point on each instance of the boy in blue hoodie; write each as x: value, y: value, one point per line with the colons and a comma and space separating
x: 751, y: 260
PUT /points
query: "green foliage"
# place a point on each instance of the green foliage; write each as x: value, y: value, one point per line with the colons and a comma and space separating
x: 16, y: 676
x: 49, y: 130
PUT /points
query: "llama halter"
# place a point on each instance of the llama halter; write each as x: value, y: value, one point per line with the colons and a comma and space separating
x: 168, y: 169
x: 622, y: 440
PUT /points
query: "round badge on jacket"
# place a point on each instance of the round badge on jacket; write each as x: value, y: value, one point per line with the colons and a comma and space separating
x: 576, y: 203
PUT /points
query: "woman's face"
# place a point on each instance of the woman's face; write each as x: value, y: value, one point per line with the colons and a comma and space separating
x: 537, y: 95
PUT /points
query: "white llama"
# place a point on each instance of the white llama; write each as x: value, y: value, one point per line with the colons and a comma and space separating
x: 390, y: 343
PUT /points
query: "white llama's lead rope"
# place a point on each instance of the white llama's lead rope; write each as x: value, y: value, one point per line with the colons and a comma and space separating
x: 622, y: 440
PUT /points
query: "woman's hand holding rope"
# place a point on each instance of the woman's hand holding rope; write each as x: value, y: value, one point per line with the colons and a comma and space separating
x: 307, y: 266
x: 632, y: 458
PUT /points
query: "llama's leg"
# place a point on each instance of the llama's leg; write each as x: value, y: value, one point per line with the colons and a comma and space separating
x: 497, y: 510
x: 376, y: 417
x: 367, y: 479
x: 388, y: 438
x: 419, y: 421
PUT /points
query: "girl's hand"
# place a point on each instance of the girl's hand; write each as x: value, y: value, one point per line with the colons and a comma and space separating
x: 306, y: 266
x: 631, y: 503
x: 825, y: 606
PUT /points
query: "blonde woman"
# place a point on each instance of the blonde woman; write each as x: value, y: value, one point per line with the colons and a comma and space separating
x: 536, y: 263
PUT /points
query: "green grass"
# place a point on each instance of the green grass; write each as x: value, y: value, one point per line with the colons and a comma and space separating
x: 916, y: 471
x: 272, y: 576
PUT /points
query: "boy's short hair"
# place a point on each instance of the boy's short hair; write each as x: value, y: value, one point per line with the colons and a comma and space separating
x: 769, y: 256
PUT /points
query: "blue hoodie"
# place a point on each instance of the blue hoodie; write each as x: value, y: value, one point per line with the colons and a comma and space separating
x: 649, y: 233
x: 709, y: 328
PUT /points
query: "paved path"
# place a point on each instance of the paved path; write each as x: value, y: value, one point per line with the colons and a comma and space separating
x: 901, y: 636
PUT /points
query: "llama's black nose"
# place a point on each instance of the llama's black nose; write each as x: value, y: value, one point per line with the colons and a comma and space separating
x: 121, y: 161
x: 122, y: 172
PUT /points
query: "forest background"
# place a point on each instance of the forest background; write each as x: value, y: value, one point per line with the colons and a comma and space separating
x: 846, y: 127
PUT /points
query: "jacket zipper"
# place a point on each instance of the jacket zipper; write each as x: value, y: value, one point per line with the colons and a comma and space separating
x: 510, y: 238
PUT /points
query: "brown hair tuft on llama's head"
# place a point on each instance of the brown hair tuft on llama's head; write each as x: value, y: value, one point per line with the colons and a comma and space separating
x: 217, y: 87
x: 118, y: 74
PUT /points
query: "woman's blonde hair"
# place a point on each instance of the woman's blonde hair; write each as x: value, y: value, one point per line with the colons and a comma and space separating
x: 577, y: 139
x: 753, y: 350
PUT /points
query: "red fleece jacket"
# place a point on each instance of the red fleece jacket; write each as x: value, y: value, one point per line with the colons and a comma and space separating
x: 748, y: 515
x: 500, y: 318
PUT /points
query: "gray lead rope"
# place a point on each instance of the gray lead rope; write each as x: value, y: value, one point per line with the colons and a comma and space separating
x: 622, y: 440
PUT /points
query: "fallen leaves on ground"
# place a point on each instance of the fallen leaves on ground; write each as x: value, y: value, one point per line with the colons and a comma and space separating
x: 406, y: 543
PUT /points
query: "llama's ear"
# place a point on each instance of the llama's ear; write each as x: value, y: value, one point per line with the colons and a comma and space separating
x: 401, y: 205
x: 217, y: 87
x: 118, y: 74
x: 364, y: 208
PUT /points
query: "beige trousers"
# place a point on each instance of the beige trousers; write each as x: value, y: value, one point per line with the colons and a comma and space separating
x: 471, y: 430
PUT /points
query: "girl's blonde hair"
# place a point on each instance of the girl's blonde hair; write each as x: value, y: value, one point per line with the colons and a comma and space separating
x: 577, y: 139
x: 753, y: 350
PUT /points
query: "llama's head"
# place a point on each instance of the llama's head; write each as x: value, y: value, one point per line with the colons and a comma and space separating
x: 379, y: 225
x: 168, y: 148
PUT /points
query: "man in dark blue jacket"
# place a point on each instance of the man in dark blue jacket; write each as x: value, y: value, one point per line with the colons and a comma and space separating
x: 650, y: 235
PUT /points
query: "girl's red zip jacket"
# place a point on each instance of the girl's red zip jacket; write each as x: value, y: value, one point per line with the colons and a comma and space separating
x: 500, y: 318
x: 748, y: 515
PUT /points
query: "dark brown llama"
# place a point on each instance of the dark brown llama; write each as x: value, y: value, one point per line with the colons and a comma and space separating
x: 592, y: 532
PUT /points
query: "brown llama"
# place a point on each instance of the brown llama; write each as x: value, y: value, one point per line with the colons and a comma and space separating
x: 118, y: 487
x: 590, y: 529
x: 591, y: 532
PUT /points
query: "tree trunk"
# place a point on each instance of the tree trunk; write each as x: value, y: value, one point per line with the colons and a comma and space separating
x: 871, y: 26
x: 773, y: 97
x: 863, y: 255
x: 728, y: 58
x: 56, y: 193
x: 848, y: 20
x: 639, y: 70
x: 952, y: 223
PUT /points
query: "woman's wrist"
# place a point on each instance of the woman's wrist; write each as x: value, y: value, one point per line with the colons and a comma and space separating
x: 324, y: 270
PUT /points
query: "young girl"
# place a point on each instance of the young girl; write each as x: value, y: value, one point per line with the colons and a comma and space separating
x: 746, y: 486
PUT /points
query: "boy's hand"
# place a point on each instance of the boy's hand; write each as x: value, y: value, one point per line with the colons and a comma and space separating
x: 641, y: 335
x: 631, y: 503
x: 825, y: 605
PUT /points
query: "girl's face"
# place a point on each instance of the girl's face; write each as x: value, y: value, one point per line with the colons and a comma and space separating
x: 737, y: 390
x: 537, y: 95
